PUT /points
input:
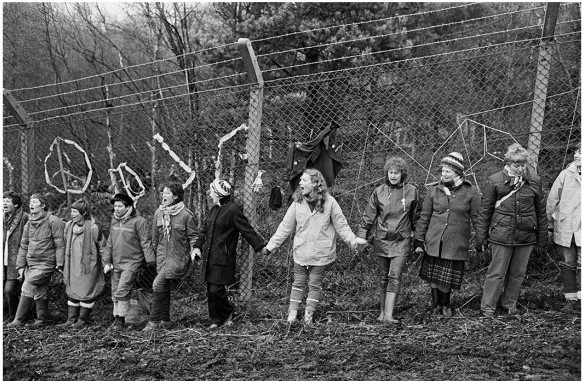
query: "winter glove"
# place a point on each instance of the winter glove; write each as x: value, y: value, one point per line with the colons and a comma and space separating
x: 196, y: 254
x: 481, y: 246
x: 60, y: 269
x: 419, y: 246
x: 107, y: 268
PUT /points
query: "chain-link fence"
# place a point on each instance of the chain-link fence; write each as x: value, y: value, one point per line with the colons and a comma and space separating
x: 474, y: 98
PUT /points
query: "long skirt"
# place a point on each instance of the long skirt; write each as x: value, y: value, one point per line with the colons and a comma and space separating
x: 446, y: 273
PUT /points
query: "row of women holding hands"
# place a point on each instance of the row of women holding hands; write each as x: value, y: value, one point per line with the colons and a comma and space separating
x: 511, y: 217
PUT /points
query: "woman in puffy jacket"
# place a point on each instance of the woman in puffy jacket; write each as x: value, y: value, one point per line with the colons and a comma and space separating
x: 173, y: 237
x: 512, y: 219
x: 563, y: 211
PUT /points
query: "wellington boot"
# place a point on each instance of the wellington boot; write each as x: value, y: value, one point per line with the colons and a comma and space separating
x: 446, y: 300
x: 73, y: 315
x: 382, y: 306
x: 41, y: 313
x: 84, y: 318
x: 23, y: 308
x: 389, y: 308
x: 308, y: 318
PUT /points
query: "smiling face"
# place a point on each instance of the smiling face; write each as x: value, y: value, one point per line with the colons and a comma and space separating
x: 8, y: 205
x: 36, y: 206
x: 168, y: 197
x: 120, y: 209
x: 394, y: 176
x: 447, y: 173
x: 306, y: 184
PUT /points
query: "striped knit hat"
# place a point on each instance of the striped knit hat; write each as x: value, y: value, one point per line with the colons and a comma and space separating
x: 221, y: 187
x: 455, y: 161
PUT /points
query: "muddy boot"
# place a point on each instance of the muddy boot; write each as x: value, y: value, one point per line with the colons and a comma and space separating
x: 382, y: 306
x: 118, y: 324
x: 12, y: 304
x: 446, y: 301
x: 308, y: 318
x: 84, y: 318
x: 437, y: 308
x: 389, y: 309
x: 23, y: 308
x: 73, y: 315
x: 41, y: 313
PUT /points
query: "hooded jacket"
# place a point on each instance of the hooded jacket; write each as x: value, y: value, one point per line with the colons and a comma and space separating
x: 563, y: 207
x: 128, y: 244
x: 393, y: 211
x: 42, y: 248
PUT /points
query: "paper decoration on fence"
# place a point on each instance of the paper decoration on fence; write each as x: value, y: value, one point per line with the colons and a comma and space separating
x: 10, y: 168
x: 221, y: 142
x: 191, y: 172
x: 66, y: 172
x: 127, y: 185
x: 258, y: 183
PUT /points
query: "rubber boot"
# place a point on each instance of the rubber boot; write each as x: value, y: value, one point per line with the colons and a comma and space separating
x: 41, y: 313
x: 308, y: 318
x: 84, y: 318
x: 165, y: 311
x: 389, y: 309
x: 12, y: 304
x: 118, y: 324
x: 382, y: 306
x: 446, y: 301
x: 23, y: 308
x: 437, y: 308
x: 73, y: 315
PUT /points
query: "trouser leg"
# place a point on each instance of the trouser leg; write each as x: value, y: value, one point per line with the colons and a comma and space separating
x: 515, y: 276
x: 300, y: 274
x: 494, y: 280
x: 219, y: 307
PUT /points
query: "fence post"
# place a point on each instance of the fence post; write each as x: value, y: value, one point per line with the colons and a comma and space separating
x: 546, y: 49
x: 253, y: 147
x: 27, y: 153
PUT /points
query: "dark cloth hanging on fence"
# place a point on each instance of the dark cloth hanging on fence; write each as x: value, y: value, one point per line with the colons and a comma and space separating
x: 276, y: 198
x: 322, y: 153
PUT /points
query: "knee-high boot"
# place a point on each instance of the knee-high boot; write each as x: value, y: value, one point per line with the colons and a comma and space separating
x: 437, y: 307
x: 41, y: 313
x: 22, y: 310
x: 446, y: 301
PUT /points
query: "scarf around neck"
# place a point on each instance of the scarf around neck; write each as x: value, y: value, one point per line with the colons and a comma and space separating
x: 74, y: 232
x: 515, y: 181
x: 125, y: 217
x: 447, y: 186
x: 170, y: 210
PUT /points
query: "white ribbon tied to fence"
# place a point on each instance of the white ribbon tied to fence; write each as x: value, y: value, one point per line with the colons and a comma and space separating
x: 177, y: 159
x: 221, y: 142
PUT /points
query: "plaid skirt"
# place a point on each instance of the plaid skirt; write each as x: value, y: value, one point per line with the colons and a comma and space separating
x: 442, y: 272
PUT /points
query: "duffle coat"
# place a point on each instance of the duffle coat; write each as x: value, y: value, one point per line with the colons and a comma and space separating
x: 82, y: 282
x: 129, y: 243
x: 11, y: 241
x: 315, y: 232
x: 563, y: 207
x: 445, y: 221
x: 173, y: 251
x: 42, y: 248
x: 519, y: 220
x: 392, y: 211
x: 218, y: 239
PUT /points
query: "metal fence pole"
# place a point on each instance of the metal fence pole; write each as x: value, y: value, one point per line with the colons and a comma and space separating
x: 253, y: 147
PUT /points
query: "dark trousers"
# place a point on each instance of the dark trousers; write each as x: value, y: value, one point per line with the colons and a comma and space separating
x: 11, y: 296
x: 219, y: 308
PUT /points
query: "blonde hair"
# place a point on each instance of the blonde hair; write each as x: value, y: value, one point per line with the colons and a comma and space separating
x: 515, y: 152
x: 319, y: 186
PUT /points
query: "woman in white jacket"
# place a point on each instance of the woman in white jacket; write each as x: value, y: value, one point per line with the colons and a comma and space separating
x: 563, y: 211
x: 316, y: 218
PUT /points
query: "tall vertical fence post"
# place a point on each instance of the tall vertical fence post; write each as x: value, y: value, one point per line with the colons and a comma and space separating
x: 253, y: 147
x: 546, y: 50
x: 27, y: 152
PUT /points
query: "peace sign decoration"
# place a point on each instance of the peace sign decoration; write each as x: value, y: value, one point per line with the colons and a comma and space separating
x: 65, y: 172
x: 127, y: 185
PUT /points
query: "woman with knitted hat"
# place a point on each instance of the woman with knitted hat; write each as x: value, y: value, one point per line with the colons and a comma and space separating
x: 216, y: 243
x: 443, y: 231
x: 82, y: 273
x: 393, y: 209
x: 173, y: 236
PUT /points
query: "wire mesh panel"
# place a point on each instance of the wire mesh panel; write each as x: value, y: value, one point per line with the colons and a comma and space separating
x: 475, y: 99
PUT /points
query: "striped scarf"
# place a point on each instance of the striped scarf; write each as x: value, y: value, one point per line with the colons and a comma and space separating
x: 170, y: 210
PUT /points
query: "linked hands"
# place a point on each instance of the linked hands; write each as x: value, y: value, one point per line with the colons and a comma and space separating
x: 196, y: 254
x: 107, y: 268
x: 361, y: 243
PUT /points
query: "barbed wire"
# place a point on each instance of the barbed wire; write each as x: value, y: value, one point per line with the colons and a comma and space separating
x: 364, y: 22
x: 398, y: 33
